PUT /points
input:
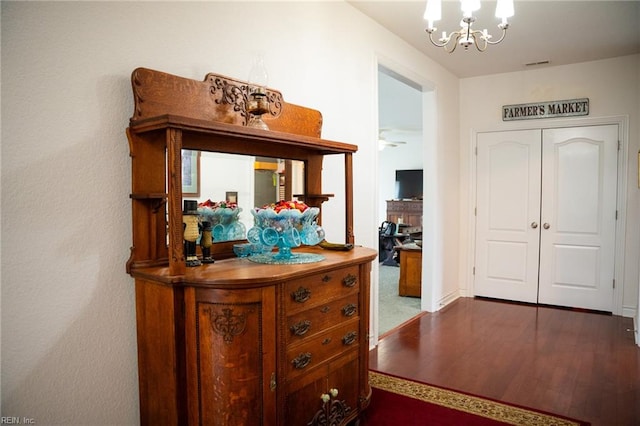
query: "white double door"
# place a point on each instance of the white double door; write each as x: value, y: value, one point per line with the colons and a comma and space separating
x: 546, y: 216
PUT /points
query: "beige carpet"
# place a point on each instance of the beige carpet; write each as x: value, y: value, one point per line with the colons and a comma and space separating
x: 393, y: 309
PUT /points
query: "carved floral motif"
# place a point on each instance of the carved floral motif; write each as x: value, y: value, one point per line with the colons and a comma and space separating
x: 228, y: 324
x: 333, y: 411
x: 228, y: 92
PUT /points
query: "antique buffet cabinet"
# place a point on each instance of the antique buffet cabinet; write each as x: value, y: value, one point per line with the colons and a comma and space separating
x: 237, y: 342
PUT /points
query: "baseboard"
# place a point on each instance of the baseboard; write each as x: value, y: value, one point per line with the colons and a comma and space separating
x: 447, y: 299
x: 629, y: 312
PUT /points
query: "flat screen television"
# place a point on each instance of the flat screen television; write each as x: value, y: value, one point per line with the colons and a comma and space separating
x: 409, y: 184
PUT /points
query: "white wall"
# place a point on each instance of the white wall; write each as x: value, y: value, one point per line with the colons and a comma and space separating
x: 613, y: 89
x: 68, y: 313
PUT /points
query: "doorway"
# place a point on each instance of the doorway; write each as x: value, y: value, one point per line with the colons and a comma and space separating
x: 400, y: 147
x: 546, y: 216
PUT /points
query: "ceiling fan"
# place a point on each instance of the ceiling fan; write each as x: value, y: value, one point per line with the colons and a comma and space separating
x: 383, y: 142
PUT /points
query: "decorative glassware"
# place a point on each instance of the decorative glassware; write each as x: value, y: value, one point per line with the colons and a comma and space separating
x: 223, y: 217
x: 285, y: 229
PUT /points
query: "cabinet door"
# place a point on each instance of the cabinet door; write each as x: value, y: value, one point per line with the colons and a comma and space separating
x: 304, y: 403
x: 414, y: 219
x: 231, y: 356
x: 343, y: 376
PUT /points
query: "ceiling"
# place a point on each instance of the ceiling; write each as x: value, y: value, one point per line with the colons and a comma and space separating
x: 561, y: 32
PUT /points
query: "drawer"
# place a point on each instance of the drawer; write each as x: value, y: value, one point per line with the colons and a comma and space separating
x: 313, y: 351
x: 315, y: 290
x: 319, y: 318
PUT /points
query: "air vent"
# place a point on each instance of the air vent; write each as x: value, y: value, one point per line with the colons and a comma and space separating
x: 532, y: 64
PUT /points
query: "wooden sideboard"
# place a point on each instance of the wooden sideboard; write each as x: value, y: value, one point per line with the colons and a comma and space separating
x: 407, y: 212
x: 243, y: 343
x: 238, y: 342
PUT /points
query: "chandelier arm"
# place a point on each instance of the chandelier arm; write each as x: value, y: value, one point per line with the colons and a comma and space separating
x: 443, y: 44
x: 455, y: 42
x: 446, y: 41
x: 504, y: 33
x: 477, y: 40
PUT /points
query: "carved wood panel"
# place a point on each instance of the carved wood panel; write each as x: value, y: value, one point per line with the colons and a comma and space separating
x: 230, y: 344
x: 217, y: 98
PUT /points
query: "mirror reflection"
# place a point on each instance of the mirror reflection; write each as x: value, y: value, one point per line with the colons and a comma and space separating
x: 230, y: 185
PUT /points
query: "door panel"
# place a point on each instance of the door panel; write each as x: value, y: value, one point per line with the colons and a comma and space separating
x: 508, y: 210
x: 577, y: 248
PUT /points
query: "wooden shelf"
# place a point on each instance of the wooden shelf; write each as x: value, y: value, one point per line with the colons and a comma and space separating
x: 314, y: 197
x: 148, y: 196
x: 233, y: 139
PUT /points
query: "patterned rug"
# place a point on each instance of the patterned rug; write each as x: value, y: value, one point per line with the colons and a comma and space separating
x: 397, y: 401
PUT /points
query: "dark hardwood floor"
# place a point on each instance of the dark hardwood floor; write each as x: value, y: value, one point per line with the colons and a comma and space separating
x: 577, y: 364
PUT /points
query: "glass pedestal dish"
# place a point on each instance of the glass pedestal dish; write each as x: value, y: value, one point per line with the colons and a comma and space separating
x: 224, y: 222
x: 285, y: 229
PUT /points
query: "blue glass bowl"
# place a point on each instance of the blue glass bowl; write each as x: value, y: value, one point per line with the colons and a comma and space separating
x: 285, y: 230
x: 225, y: 223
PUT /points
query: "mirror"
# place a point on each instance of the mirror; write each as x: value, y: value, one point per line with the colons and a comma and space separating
x: 248, y: 181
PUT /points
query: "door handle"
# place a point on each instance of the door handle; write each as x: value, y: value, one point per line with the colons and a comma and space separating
x: 546, y: 226
x: 534, y: 225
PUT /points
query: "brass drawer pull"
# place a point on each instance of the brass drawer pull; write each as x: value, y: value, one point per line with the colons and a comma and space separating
x: 301, y: 295
x: 350, y: 338
x: 300, y: 328
x: 301, y: 361
x: 350, y: 280
x: 349, y: 310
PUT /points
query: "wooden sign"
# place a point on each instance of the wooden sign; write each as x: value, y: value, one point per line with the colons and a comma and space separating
x: 550, y: 109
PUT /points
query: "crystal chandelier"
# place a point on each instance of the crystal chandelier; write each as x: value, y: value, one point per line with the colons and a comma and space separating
x: 466, y: 36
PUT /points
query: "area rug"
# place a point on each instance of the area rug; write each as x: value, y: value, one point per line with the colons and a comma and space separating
x: 397, y: 401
